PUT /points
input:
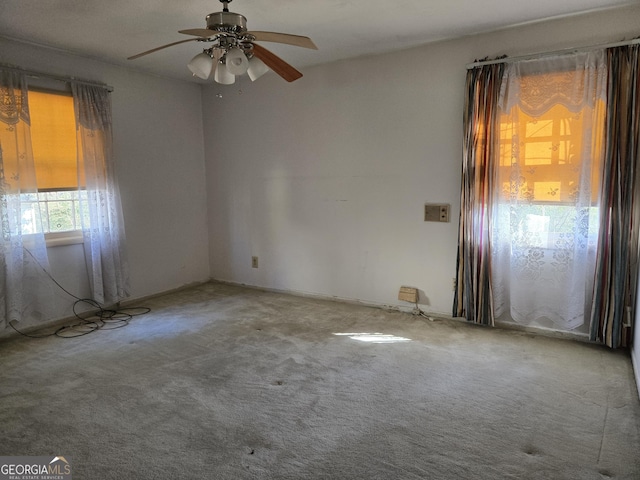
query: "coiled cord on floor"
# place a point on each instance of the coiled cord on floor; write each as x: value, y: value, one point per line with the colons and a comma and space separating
x: 98, y: 318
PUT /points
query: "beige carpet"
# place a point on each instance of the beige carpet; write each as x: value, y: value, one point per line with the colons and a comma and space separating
x: 223, y: 382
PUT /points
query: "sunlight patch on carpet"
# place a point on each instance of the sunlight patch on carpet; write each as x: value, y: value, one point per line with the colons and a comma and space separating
x: 374, y: 337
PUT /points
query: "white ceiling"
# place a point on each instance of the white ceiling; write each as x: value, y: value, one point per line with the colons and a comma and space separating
x: 113, y: 30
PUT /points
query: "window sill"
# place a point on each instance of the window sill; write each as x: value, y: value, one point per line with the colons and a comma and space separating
x: 60, y: 239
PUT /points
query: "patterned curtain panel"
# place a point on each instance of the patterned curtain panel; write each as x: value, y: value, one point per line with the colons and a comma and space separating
x: 617, y: 262
x: 101, y: 212
x: 24, y: 290
x: 473, y: 297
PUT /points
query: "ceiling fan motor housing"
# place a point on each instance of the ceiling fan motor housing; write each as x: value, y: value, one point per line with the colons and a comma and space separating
x: 227, y: 22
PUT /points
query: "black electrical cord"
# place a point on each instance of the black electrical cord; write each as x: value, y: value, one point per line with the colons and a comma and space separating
x: 99, y: 318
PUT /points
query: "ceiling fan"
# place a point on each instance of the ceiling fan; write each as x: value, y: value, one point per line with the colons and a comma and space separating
x: 233, y: 50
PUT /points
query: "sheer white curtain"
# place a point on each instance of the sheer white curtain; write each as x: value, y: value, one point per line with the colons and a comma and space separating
x: 545, y: 221
x: 101, y: 211
x: 24, y: 291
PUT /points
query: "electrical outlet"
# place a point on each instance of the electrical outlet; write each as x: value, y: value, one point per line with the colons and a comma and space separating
x: 254, y: 262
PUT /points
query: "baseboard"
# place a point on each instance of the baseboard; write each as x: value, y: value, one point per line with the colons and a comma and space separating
x: 411, y: 308
x: 636, y: 364
x: 132, y: 301
x: 547, y: 332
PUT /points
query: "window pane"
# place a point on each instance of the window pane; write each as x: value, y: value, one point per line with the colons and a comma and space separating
x: 51, y: 212
x: 61, y: 216
x: 547, y: 191
x: 30, y: 220
x: 538, y: 153
x: 536, y: 128
x: 29, y: 197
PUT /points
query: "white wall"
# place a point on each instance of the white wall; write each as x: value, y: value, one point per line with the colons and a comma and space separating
x: 158, y: 145
x: 325, y: 179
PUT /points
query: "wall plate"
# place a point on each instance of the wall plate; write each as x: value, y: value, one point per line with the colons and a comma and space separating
x: 436, y: 212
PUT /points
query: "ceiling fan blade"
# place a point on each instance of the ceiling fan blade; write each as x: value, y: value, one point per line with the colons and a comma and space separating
x: 200, y: 32
x: 295, y: 40
x: 160, y: 48
x: 276, y: 64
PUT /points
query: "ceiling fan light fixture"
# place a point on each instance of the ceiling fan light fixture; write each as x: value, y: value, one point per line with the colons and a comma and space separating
x: 237, y: 62
x: 234, y: 48
x: 256, y: 69
x: 223, y: 76
x: 201, y: 65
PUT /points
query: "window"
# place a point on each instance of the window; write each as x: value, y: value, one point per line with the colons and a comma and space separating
x: 541, y: 172
x: 523, y: 254
x: 53, y: 140
x: 545, y: 226
x: 27, y: 188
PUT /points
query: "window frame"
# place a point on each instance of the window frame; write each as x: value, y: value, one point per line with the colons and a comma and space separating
x: 68, y: 237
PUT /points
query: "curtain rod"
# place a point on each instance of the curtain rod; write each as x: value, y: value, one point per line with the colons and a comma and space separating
x: 565, y: 51
x: 59, y: 78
